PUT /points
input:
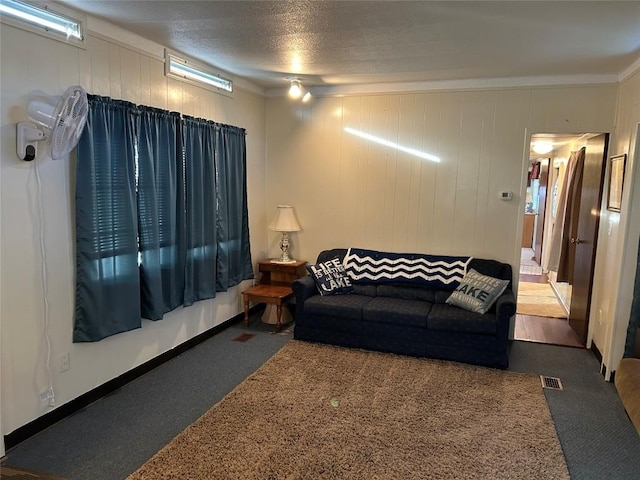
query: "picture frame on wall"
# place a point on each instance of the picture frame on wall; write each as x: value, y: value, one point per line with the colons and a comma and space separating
x: 616, y: 179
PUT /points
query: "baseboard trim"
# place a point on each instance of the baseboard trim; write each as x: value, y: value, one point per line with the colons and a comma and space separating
x: 41, y: 423
x: 603, y: 369
x: 596, y: 352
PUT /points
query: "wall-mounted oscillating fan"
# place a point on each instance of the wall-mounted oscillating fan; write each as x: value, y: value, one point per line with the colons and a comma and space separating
x: 60, y: 123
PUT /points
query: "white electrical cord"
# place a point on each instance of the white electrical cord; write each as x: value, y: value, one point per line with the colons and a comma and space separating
x: 45, y: 292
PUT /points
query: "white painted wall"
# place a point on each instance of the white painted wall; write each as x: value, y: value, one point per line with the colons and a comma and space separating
x: 618, y: 237
x: 351, y: 192
x: 134, y: 72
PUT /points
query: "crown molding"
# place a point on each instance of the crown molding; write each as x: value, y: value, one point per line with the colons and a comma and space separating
x: 630, y: 70
x: 444, y: 85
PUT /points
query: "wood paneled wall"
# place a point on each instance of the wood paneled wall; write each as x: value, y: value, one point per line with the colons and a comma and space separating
x: 348, y: 191
x: 33, y: 65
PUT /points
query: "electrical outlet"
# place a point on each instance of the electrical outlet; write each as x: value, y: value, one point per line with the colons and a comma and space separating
x: 63, y: 362
x: 46, y: 395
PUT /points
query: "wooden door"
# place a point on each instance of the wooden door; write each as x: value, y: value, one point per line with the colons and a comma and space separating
x: 585, y: 241
x: 542, y: 207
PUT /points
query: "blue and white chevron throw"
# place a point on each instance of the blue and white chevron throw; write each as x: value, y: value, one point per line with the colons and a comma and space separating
x: 437, y: 271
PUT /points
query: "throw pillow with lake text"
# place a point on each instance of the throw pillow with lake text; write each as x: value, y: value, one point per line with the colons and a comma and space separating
x: 330, y: 277
x: 477, y: 292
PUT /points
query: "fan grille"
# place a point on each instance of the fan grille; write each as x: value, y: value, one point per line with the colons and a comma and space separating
x: 70, y: 116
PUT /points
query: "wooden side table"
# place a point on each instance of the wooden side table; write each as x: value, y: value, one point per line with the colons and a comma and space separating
x: 274, y: 287
x: 275, y: 273
x: 270, y: 294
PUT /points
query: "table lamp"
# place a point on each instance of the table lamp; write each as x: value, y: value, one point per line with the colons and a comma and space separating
x: 285, y: 222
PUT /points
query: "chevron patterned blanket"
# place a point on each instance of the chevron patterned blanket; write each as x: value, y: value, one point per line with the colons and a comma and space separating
x: 436, y: 271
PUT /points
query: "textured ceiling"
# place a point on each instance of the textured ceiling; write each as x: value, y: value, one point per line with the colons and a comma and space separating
x: 328, y: 43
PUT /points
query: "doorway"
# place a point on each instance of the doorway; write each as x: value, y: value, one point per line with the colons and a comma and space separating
x: 553, y: 300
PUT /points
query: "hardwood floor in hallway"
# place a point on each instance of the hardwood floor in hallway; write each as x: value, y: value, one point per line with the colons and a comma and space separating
x: 554, y: 331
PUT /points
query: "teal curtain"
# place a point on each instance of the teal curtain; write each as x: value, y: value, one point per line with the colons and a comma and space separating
x: 107, y: 282
x: 200, y: 194
x: 234, y: 252
x: 161, y: 212
x: 634, y: 320
x: 161, y: 215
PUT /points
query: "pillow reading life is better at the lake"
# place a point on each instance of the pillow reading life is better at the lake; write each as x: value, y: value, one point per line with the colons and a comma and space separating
x: 330, y: 277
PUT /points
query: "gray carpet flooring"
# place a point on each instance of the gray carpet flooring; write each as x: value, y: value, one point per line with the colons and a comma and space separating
x: 111, y: 438
x: 598, y: 439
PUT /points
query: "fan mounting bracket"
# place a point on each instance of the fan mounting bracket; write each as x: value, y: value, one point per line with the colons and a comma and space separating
x: 27, y: 136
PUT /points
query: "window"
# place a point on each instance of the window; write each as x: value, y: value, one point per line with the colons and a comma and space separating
x: 151, y: 216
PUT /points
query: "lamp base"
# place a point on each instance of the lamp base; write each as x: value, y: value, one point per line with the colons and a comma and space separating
x: 270, y: 315
x: 284, y: 246
x: 279, y: 260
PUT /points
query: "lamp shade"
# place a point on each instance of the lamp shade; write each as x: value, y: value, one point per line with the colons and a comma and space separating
x: 285, y: 220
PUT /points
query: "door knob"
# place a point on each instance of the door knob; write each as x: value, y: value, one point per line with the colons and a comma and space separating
x: 576, y: 241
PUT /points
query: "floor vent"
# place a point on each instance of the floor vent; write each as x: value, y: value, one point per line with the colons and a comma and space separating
x: 551, y: 383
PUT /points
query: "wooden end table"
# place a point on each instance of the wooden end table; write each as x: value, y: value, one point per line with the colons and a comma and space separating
x: 265, y: 293
x: 273, y: 272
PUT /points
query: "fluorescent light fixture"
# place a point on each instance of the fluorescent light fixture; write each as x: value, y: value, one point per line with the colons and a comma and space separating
x: 178, y: 68
x: 42, y: 17
x: 387, y: 143
x: 200, y: 76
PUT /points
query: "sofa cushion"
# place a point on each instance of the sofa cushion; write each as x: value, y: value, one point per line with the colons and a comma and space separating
x: 330, y: 254
x: 453, y: 319
x: 493, y: 268
x: 477, y: 292
x: 342, y: 306
x: 397, y: 311
x: 368, y: 290
x: 442, y: 296
x: 330, y: 277
x: 407, y: 292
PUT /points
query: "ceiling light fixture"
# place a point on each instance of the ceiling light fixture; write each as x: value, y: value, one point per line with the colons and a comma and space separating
x: 542, y: 147
x: 296, y: 91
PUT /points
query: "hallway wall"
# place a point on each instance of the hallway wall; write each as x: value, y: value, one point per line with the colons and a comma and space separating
x: 619, y: 233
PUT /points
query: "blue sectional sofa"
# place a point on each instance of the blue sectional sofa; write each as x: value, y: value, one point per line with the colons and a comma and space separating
x: 407, y: 318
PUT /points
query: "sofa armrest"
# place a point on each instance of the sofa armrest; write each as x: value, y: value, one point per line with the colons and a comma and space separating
x: 505, y: 308
x: 506, y: 304
x: 303, y: 288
